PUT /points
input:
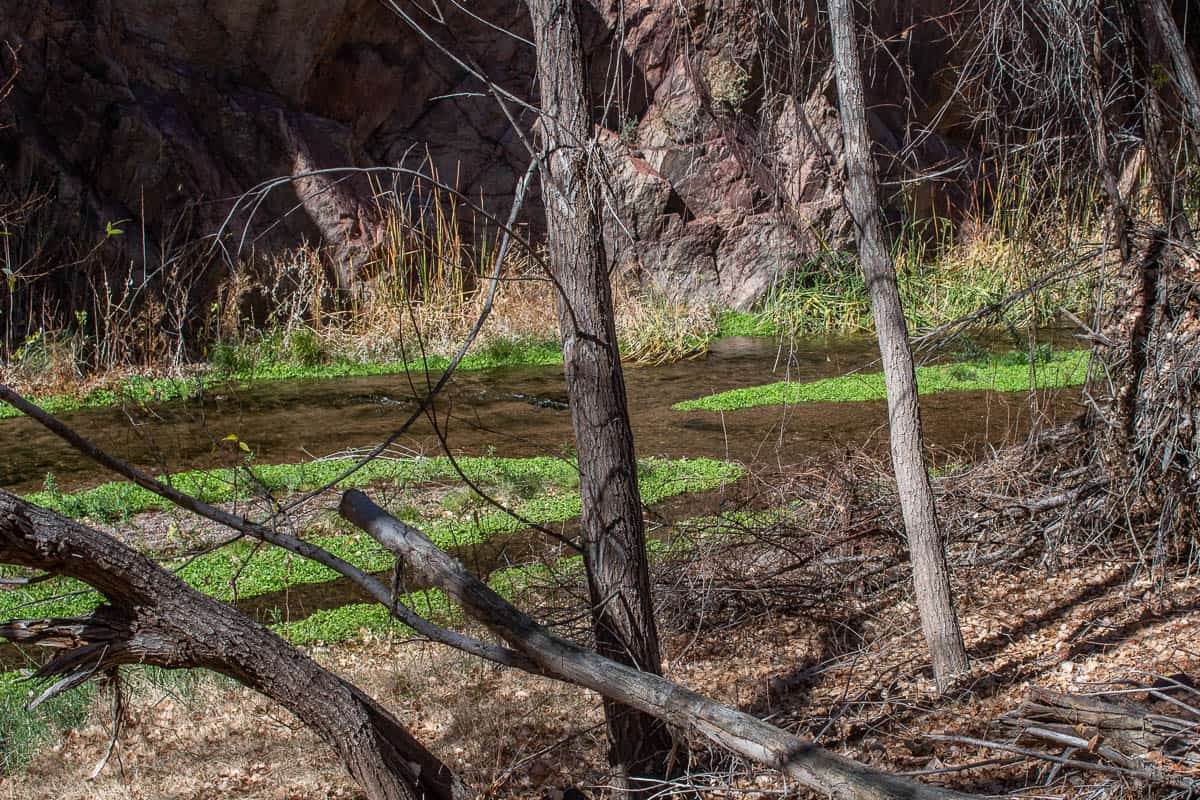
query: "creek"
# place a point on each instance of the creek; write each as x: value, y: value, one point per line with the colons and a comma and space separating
x: 519, y: 412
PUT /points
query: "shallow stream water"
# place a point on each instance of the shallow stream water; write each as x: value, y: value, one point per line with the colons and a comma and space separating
x: 518, y: 412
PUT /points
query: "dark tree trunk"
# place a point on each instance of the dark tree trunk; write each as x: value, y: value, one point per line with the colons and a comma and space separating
x: 1118, y: 209
x: 613, y: 531
x: 931, y: 574
x: 1158, y: 14
x: 1151, y: 27
x: 153, y: 617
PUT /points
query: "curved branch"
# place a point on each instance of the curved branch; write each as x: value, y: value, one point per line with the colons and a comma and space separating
x: 153, y: 617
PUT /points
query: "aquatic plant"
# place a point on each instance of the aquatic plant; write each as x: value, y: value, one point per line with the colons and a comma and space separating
x: 246, y: 569
x: 1064, y: 369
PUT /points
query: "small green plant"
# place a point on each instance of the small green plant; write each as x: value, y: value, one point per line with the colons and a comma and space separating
x: 460, y: 501
x: 628, y: 132
x: 961, y: 372
x: 745, y: 323
x: 50, y: 486
x: 228, y: 360
x: 728, y: 83
x: 1042, y: 354
x: 969, y: 350
x: 304, y: 347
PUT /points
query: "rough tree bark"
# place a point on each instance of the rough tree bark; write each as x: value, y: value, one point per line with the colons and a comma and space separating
x: 1118, y: 209
x: 1158, y: 14
x: 153, y: 617
x: 931, y: 574
x: 1150, y: 27
x: 830, y: 774
x: 613, y: 529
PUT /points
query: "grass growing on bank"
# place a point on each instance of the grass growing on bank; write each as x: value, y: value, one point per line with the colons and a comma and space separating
x: 26, y: 731
x: 826, y: 296
x: 245, y: 570
x: 270, y: 569
x: 1005, y: 374
x: 332, y: 625
x: 942, y: 277
x: 358, y: 619
x: 241, y: 367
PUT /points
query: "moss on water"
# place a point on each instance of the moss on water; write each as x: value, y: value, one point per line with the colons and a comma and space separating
x: 1002, y: 375
x: 357, y: 620
x: 119, y: 499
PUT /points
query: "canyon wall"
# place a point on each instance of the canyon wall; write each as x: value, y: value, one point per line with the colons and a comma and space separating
x: 717, y: 119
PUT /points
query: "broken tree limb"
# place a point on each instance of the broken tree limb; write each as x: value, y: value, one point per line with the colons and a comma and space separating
x: 153, y: 617
x: 1152, y: 775
x: 733, y: 730
x: 1128, y: 734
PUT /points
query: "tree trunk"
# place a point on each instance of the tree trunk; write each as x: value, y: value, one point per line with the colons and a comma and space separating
x: 1149, y: 44
x: 931, y: 575
x: 1187, y: 84
x: 153, y: 617
x: 613, y: 532
x: 1118, y: 209
x: 830, y: 774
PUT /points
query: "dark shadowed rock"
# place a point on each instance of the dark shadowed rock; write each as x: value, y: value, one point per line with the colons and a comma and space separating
x: 724, y: 175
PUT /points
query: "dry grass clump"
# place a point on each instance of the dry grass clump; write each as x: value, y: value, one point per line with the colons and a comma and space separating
x: 654, y: 329
x: 419, y: 292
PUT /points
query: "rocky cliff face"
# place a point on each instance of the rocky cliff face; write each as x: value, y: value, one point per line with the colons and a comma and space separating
x: 721, y: 132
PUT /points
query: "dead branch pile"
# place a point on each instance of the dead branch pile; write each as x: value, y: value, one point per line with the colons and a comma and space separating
x: 1148, y: 415
x: 1154, y: 740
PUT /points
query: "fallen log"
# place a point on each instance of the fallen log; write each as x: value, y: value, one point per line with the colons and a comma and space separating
x: 740, y: 733
x: 153, y: 617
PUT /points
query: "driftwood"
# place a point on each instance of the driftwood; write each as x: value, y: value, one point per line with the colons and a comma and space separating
x: 153, y: 617
x: 743, y: 734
